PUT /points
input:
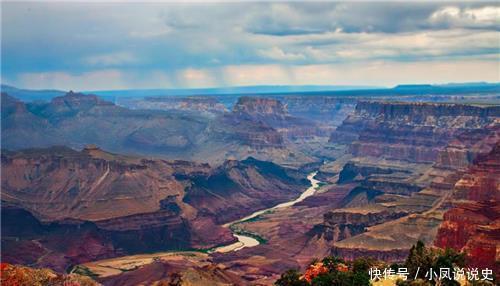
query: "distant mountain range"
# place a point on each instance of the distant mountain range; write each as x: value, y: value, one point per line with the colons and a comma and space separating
x: 258, y: 89
x: 276, y: 90
x: 30, y: 94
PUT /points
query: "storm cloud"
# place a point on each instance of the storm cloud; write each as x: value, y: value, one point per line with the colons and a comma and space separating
x: 130, y: 45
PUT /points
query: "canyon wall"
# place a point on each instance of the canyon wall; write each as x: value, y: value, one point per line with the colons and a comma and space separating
x: 472, y: 224
x: 114, y: 204
x: 77, y: 119
x: 274, y: 113
x: 405, y: 161
x: 414, y: 132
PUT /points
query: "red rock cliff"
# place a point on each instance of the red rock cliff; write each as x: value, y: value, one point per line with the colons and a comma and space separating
x: 473, y: 224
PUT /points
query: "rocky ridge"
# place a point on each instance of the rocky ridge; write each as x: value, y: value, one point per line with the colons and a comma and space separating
x: 473, y: 222
x: 436, y: 141
x: 127, y: 204
x: 77, y: 119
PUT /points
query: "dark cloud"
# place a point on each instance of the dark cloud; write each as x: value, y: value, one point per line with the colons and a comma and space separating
x: 359, y: 17
x: 142, y: 38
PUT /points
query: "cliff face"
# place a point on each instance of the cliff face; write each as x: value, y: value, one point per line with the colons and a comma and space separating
x: 473, y: 223
x: 56, y: 245
x: 325, y: 112
x: 466, y: 145
x: 123, y: 204
x: 71, y: 104
x: 241, y: 186
x: 34, y: 128
x: 345, y: 223
x: 422, y: 111
x: 72, y: 182
x: 250, y: 132
x: 77, y: 119
x: 260, y: 107
x: 414, y: 132
x: 185, y: 133
x: 405, y: 161
x: 274, y: 113
x: 328, y: 109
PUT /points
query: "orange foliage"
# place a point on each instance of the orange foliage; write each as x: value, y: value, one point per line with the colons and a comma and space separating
x: 313, y: 271
x: 16, y: 275
x: 342, y: 267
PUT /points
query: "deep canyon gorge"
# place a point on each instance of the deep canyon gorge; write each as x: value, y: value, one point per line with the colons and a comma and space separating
x: 238, y: 193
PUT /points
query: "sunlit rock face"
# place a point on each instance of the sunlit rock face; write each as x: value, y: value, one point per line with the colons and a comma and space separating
x: 406, y: 159
x: 473, y: 223
x: 23, y: 275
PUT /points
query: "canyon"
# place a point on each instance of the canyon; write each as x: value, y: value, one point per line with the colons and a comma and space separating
x: 254, y: 143
x: 126, y: 204
x: 406, y: 159
x: 76, y: 120
x: 390, y: 189
x: 157, y: 186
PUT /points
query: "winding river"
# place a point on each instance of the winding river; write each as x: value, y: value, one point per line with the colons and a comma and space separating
x: 117, y: 265
x: 248, y: 241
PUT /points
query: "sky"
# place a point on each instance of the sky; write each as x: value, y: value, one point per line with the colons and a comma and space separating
x: 104, y: 46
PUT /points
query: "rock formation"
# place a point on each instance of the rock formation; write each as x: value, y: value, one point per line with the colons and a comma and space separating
x: 121, y: 204
x: 406, y: 160
x: 473, y: 222
x: 414, y: 132
x: 274, y: 113
x: 77, y: 119
x: 13, y: 275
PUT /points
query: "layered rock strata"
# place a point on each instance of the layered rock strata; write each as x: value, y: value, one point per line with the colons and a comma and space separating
x: 122, y: 204
x: 472, y: 224
x: 406, y: 160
